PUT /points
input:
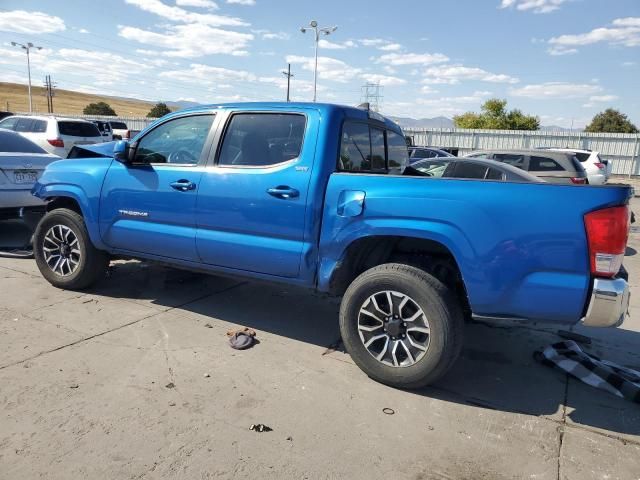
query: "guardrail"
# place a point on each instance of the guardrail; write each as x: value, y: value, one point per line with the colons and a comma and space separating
x: 622, y: 149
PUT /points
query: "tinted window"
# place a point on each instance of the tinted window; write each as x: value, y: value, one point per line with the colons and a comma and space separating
x: 24, y: 125
x: 432, y: 168
x: 377, y: 149
x: 469, y: 170
x: 78, y: 129
x: 12, y: 142
x: 494, y: 174
x: 479, y: 155
x: 119, y: 125
x: 583, y: 157
x: 544, y: 164
x: 39, y: 126
x: 261, y: 139
x: 8, y: 123
x: 397, y: 153
x: 355, y: 148
x: 178, y: 141
x: 516, y: 160
x: 421, y: 153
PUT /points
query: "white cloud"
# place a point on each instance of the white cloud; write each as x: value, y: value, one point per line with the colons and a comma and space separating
x: 603, y: 98
x: 391, y: 47
x: 454, y: 74
x: 629, y: 64
x: 208, y: 76
x: 328, y: 68
x: 560, y: 50
x: 372, y: 42
x: 431, y: 107
x: 622, y: 31
x: 177, y: 14
x: 83, y: 30
x: 198, y: 4
x: 21, y: 21
x: 556, y: 90
x: 242, y: 2
x: 336, y: 46
x: 276, y: 36
x: 384, y: 80
x: 191, y: 40
x: 427, y: 90
x: 536, y: 6
x: 412, y: 58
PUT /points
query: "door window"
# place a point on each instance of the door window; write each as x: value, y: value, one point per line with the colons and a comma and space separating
x: 24, y: 125
x: 377, y: 149
x: 9, y: 123
x: 262, y: 139
x: 544, y: 164
x: 516, y: 160
x: 494, y: 174
x: 178, y: 141
x: 469, y: 170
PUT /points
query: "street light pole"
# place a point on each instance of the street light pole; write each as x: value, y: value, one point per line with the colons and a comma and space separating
x: 313, y: 25
x: 27, y: 48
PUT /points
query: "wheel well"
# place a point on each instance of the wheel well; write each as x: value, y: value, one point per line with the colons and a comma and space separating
x: 64, y: 202
x: 428, y: 255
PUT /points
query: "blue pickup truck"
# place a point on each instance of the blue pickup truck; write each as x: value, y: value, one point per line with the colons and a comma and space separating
x: 314, y: 195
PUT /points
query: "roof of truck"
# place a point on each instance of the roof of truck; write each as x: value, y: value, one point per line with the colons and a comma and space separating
x: 351, y: 112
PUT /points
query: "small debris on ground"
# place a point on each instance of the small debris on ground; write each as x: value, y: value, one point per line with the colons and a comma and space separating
x: 241, y: 338
x: 208, y: 325
x: 388, y: 411
x: 74, y: 385
x: 260, y: 427
x: 172, y: 404
x: 170, y: 385
x: 207, y: 375
x: 290, y: 439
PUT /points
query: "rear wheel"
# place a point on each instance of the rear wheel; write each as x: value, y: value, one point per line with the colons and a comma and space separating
x: 401, y: 326
x: 64, y: 253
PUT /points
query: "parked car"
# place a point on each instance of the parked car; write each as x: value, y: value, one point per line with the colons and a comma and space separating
x: 313, y: 195
x: 598, y: 170
x: 552, y: 167
x: 21, y: 164
x: 105, y: 129
x: 119, y: 130
x: 418, y: 153
x: 56, y: 135
x: 479, y: 169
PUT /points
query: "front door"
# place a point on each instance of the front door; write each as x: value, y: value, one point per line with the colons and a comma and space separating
x: 148, y: 206
x: 252, y: 201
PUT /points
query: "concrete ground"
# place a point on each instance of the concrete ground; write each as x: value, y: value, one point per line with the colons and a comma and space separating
x: 134, y: 379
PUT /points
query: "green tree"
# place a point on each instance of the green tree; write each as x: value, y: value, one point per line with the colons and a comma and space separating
x: 494, y: 115
x: 99, y: 108
x: 159, y: 110
x: 611, y: 121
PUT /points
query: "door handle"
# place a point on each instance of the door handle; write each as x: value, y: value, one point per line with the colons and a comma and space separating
x: 183, y: 185
x: 283, y: 191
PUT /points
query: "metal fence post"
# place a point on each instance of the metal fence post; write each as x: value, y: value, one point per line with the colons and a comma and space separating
x: 634, y: 159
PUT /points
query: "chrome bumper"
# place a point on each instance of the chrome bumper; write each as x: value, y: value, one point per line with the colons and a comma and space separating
x: 608, y: 304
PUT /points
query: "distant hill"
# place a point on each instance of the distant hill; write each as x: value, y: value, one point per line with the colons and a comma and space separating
x: 437, y: 122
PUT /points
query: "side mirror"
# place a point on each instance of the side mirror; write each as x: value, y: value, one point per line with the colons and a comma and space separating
x: 124, y: 152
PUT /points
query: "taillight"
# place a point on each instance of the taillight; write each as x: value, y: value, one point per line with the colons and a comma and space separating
x: 56, y: 142
x: 127, y: 135
x: 578, y: 180
x: 607, y: 233
x: 601, y: 166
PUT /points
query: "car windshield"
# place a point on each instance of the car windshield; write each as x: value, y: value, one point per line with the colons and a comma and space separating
x: 78, y: 129
x: 15, y: 143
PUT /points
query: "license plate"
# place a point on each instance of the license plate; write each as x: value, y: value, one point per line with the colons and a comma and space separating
x: 25, y: 176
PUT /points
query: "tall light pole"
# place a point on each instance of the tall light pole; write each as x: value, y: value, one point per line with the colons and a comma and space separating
x: 27, y: 48
x: 313, y: 25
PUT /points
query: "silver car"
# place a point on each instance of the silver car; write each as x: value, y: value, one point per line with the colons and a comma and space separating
x: 21, y: 164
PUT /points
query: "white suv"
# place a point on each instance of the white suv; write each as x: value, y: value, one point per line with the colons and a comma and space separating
x: 56, y: 135
x: 598, y: 170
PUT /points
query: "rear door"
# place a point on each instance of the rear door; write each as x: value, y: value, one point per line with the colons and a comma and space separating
x: 253, y: 196
x: 149, y: 207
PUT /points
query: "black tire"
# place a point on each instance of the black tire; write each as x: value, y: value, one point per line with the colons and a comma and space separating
x: 92, y: 263
x: 440, y: 307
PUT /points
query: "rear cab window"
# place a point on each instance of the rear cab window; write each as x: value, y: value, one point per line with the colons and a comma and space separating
x: 366, y: 148
x: 78, y: 129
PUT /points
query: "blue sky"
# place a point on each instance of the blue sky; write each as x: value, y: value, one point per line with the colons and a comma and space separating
x: 563, y: 60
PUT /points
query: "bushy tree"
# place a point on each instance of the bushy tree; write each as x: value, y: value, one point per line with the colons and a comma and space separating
x: 99, y: 108
x: 494, y: 115
x: 611, y: 121
x: 159, y: 110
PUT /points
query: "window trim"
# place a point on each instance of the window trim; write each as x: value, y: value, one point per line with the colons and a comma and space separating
x: 204, y: 155
x: 227, y: 124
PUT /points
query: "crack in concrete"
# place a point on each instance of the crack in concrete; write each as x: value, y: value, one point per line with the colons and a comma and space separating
x: 562, y: 425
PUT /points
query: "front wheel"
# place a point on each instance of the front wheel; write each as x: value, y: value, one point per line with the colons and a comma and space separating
x: 401, y: 326
x: 64, y: 253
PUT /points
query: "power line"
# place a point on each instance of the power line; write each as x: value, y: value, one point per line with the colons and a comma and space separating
x: 371, y: 94
x: 288, y: 74
x: 49, y: 93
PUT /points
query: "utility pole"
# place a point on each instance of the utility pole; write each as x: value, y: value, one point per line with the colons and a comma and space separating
x: 49, y: 93
x: 288, y: 74
x: 371, y: 94
x: 27, y: 48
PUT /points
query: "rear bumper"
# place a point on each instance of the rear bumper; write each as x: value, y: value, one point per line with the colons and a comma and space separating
x: 17, y: 198
x: 608, y: 304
